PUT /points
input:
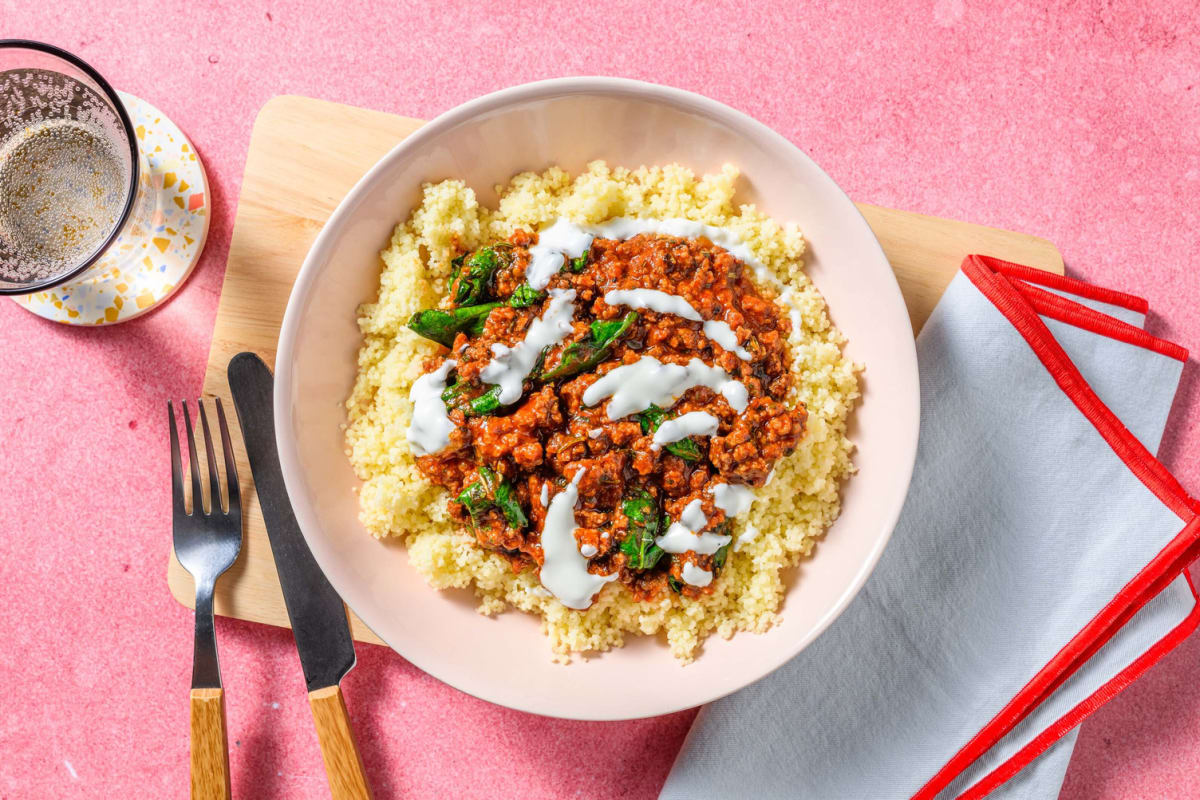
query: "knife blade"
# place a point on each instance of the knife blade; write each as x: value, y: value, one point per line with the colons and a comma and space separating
x: 316, y: 612
x: 314, y: 608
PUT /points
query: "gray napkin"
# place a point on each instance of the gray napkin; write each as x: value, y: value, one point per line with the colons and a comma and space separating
x: 1038, y: 567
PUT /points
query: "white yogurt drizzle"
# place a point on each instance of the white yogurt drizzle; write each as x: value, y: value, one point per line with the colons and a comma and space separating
x: 732, y: 499
x: 595, y: 433
x: 545, y: 495
x: 693, y: 423
x: 588, y: 550
x: 735, y: 500
x: 511, y: 365
x: 430, y: 429
x: 654, y: 300
x: 648, y: 381
x: 794, y: 314
x: 682, y: 536
x: 722, y: 334
x: 748, y: 535
x: 664, y: 303
x: 564, y: 569
x: 695, y: 576
x: 565, y: 239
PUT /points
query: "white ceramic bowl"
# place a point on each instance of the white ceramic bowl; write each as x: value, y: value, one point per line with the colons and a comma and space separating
x: 569, y: 122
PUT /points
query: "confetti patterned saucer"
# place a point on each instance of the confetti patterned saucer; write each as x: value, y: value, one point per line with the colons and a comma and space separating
x: 161, y: 242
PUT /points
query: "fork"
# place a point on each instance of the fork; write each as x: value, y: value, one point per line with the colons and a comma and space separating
x: 206, y: 544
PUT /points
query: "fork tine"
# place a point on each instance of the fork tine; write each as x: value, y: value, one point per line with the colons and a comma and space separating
x: 197, y: 491
x: 231, y: 474
x: 214, y: 481
x: 176, y: 465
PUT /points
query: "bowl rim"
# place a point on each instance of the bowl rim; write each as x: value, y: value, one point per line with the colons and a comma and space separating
x: 321, y: 250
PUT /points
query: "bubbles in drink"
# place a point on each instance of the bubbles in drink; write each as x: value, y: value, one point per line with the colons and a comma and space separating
x: 64, y: 174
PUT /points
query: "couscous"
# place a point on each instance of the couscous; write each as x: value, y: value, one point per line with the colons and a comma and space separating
x: 615, y: 401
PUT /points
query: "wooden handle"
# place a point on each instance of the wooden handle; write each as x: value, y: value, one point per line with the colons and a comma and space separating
x: 210, y: 746
x: 343, y: 764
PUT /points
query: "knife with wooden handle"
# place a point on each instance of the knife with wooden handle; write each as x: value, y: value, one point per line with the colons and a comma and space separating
x: 317, y: 614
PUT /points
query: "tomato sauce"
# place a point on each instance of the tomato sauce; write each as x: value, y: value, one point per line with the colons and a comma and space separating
x: 536, y: 445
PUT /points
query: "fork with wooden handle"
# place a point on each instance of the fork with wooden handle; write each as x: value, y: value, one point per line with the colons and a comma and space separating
x: 206, y: 544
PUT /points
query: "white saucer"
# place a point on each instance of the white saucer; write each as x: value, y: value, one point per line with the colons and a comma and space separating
x: 149, y: 261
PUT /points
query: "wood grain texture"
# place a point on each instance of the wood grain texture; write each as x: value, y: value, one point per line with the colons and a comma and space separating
x: 343, y: 764
x: 209, y: 746
x: 306, y: 154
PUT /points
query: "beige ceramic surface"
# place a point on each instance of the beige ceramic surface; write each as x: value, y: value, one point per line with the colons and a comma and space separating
x: 570, y: 122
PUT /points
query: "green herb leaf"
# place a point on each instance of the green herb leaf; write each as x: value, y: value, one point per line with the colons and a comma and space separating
x: 524, y: 296
x: 455, y: 397
x: 580, y: 264
x: 640, y: 507
x: 442, y: 326
x: 579, y: 357
x: 720, y: 556
x: 687, y: 449
x: 478, y: 269
x: 653, y: 417
x: 507, y: 501
x: 492, y: 491
x: 452, y: 394
x: 606, y: 330
x: 675, y: 585
x: 644, y: 523
x: 474, y: 498
x: 485, y: 404
x: 477, y: 325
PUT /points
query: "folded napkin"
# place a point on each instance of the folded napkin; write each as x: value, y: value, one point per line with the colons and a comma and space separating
x: 1038, y: 566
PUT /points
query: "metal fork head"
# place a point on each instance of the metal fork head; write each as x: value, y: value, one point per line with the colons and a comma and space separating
x: 206, y: 542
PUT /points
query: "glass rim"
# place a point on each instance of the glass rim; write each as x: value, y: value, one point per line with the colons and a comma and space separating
x: 135, y: 167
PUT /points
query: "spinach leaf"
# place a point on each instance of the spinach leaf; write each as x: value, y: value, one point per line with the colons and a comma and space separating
x: 581, y: 356
x: 485, y: 404
x: 492, y: 491
x: 507, y: 502
x: 644, y: 522
x: 687, y: 449
x: 475, y: 277
x: 652, y: 418
x: 441, y: 326
x: 524, y: 296
x: 474, y: 498
x: 455, y: 397
x: 605, y: 331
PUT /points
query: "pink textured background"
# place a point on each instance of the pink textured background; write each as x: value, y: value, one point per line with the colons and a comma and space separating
x: 1080, y: 125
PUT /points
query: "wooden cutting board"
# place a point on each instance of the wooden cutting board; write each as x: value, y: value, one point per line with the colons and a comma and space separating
x: 305, y: 154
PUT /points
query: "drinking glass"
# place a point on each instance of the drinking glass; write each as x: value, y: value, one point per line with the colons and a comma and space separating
x: 70, y: 168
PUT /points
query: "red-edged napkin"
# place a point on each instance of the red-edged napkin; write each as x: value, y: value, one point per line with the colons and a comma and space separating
x: 1038, y: 567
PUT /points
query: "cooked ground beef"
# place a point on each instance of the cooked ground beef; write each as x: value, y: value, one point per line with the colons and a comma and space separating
x: 533, y: 447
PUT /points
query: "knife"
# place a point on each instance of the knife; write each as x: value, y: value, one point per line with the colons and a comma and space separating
x: 316, y: 612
